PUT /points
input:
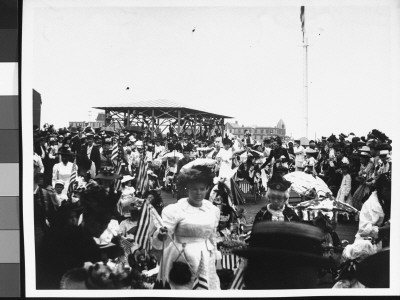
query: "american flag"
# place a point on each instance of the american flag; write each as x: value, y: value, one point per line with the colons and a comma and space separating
x: 148, y: 216
x: 200, y: 282
x: 238, y: 283
x: 115, y: 148
x: 118, y: 168
x: 167, y: 168
x: 302, y: 19
x: 142, y: 177
x: 230, y: 261
x: 72, y: 181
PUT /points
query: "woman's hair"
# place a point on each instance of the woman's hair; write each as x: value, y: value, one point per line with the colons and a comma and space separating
x: 156, y: 195
x: 196, y: 174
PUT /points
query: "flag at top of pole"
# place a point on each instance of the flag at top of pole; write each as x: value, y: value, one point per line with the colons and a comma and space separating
x: 302, y: 19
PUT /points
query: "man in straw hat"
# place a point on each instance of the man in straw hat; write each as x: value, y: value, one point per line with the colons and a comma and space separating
x: 283, y: 255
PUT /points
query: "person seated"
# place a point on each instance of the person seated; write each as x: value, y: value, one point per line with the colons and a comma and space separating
x: 277, y: 196
x: 128, y: 227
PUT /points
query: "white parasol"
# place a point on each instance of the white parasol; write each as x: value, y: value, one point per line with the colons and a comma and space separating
x: 172, y: 154
x: 327, y: 205
x: 200, y: 162
x: 303, y: 182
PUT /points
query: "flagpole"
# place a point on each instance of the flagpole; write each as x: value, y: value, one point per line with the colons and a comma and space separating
x: 305, y: 69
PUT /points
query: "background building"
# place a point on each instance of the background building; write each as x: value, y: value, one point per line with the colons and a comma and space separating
x: 258, y: 133
x: 99, y: 122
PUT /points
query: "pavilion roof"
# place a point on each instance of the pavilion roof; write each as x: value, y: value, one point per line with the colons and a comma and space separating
x: 160, y: 106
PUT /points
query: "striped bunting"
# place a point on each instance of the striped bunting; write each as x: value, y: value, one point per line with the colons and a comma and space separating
x: 115, y: 148
x: 230, y: 261
x: 72, y: 181
x: 118, y: 168
x: 245, y: 187
x: 238, y: 283
x: 200, y: 282
x: 142, y: 178
x: 143, y: 231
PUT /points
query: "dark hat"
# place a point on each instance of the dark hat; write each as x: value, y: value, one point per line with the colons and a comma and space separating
x: 89, y: 135
x: 361, y: 143
x: 342, y: 136
x: 73, y: 129
x: 355, y: 139
x: 226, y: 141
x: 186, y: 149
x: 284, y: 240
x: 332, y: 138
x: 277, y: 182
x: 65, y: 151
x: 108, y: 173
x: 374, y: 271
x: 323, y: 138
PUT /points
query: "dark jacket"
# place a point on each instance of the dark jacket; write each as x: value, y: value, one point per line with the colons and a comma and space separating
x: 264, y: 215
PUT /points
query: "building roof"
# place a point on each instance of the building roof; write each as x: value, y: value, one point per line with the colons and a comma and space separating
x: 159, y: 106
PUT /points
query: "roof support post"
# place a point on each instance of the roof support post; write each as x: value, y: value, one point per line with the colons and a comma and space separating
x: 179, y: 122
x: 152, y: 123
x: 128, y: 121
x: 194, y: 131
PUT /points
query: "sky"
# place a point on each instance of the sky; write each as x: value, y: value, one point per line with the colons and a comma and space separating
x: 244, y: 61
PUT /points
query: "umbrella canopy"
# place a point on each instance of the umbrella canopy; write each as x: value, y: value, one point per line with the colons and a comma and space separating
x: 200, y: 162
x: 303, y: 182
x: 172, y: 154
x: 328, y: 204
x: 135, y: 129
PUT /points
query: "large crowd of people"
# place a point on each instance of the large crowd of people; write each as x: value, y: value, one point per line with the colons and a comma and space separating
x: 92, y: 188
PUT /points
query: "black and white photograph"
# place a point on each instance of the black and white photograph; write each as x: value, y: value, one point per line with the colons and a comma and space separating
x: 240, y: 148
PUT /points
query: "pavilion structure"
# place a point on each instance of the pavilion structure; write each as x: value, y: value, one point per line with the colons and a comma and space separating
x: 162, y: 116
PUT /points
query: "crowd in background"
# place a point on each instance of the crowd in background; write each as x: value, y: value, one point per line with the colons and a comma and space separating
x: 90, y: 186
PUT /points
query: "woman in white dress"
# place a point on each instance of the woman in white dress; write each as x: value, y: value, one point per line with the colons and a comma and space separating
x: 62, y: 171
x: 225, y: 156
x: 189, y: 233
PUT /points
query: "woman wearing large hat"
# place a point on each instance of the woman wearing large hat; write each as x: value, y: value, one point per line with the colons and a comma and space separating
x: 277, y: 196
x: 188, y: 235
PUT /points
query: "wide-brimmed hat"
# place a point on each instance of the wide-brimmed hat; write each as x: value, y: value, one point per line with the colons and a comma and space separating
x: 332, y: 138
x: 283, y: 240
x: 59, y: 181
x: 277, y: 182
x: 374, y: 271
x: 126, y: 178
x: 366, y: 154
x: 65, y: 151
x: 73, y: 129
x: 108, y: 173
x: 365, y: 149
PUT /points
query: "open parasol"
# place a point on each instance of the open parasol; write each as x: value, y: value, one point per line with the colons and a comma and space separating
x: 303, y: 183
x: 200, y: 162
x: 172, y: 154
x: 327, y: 205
